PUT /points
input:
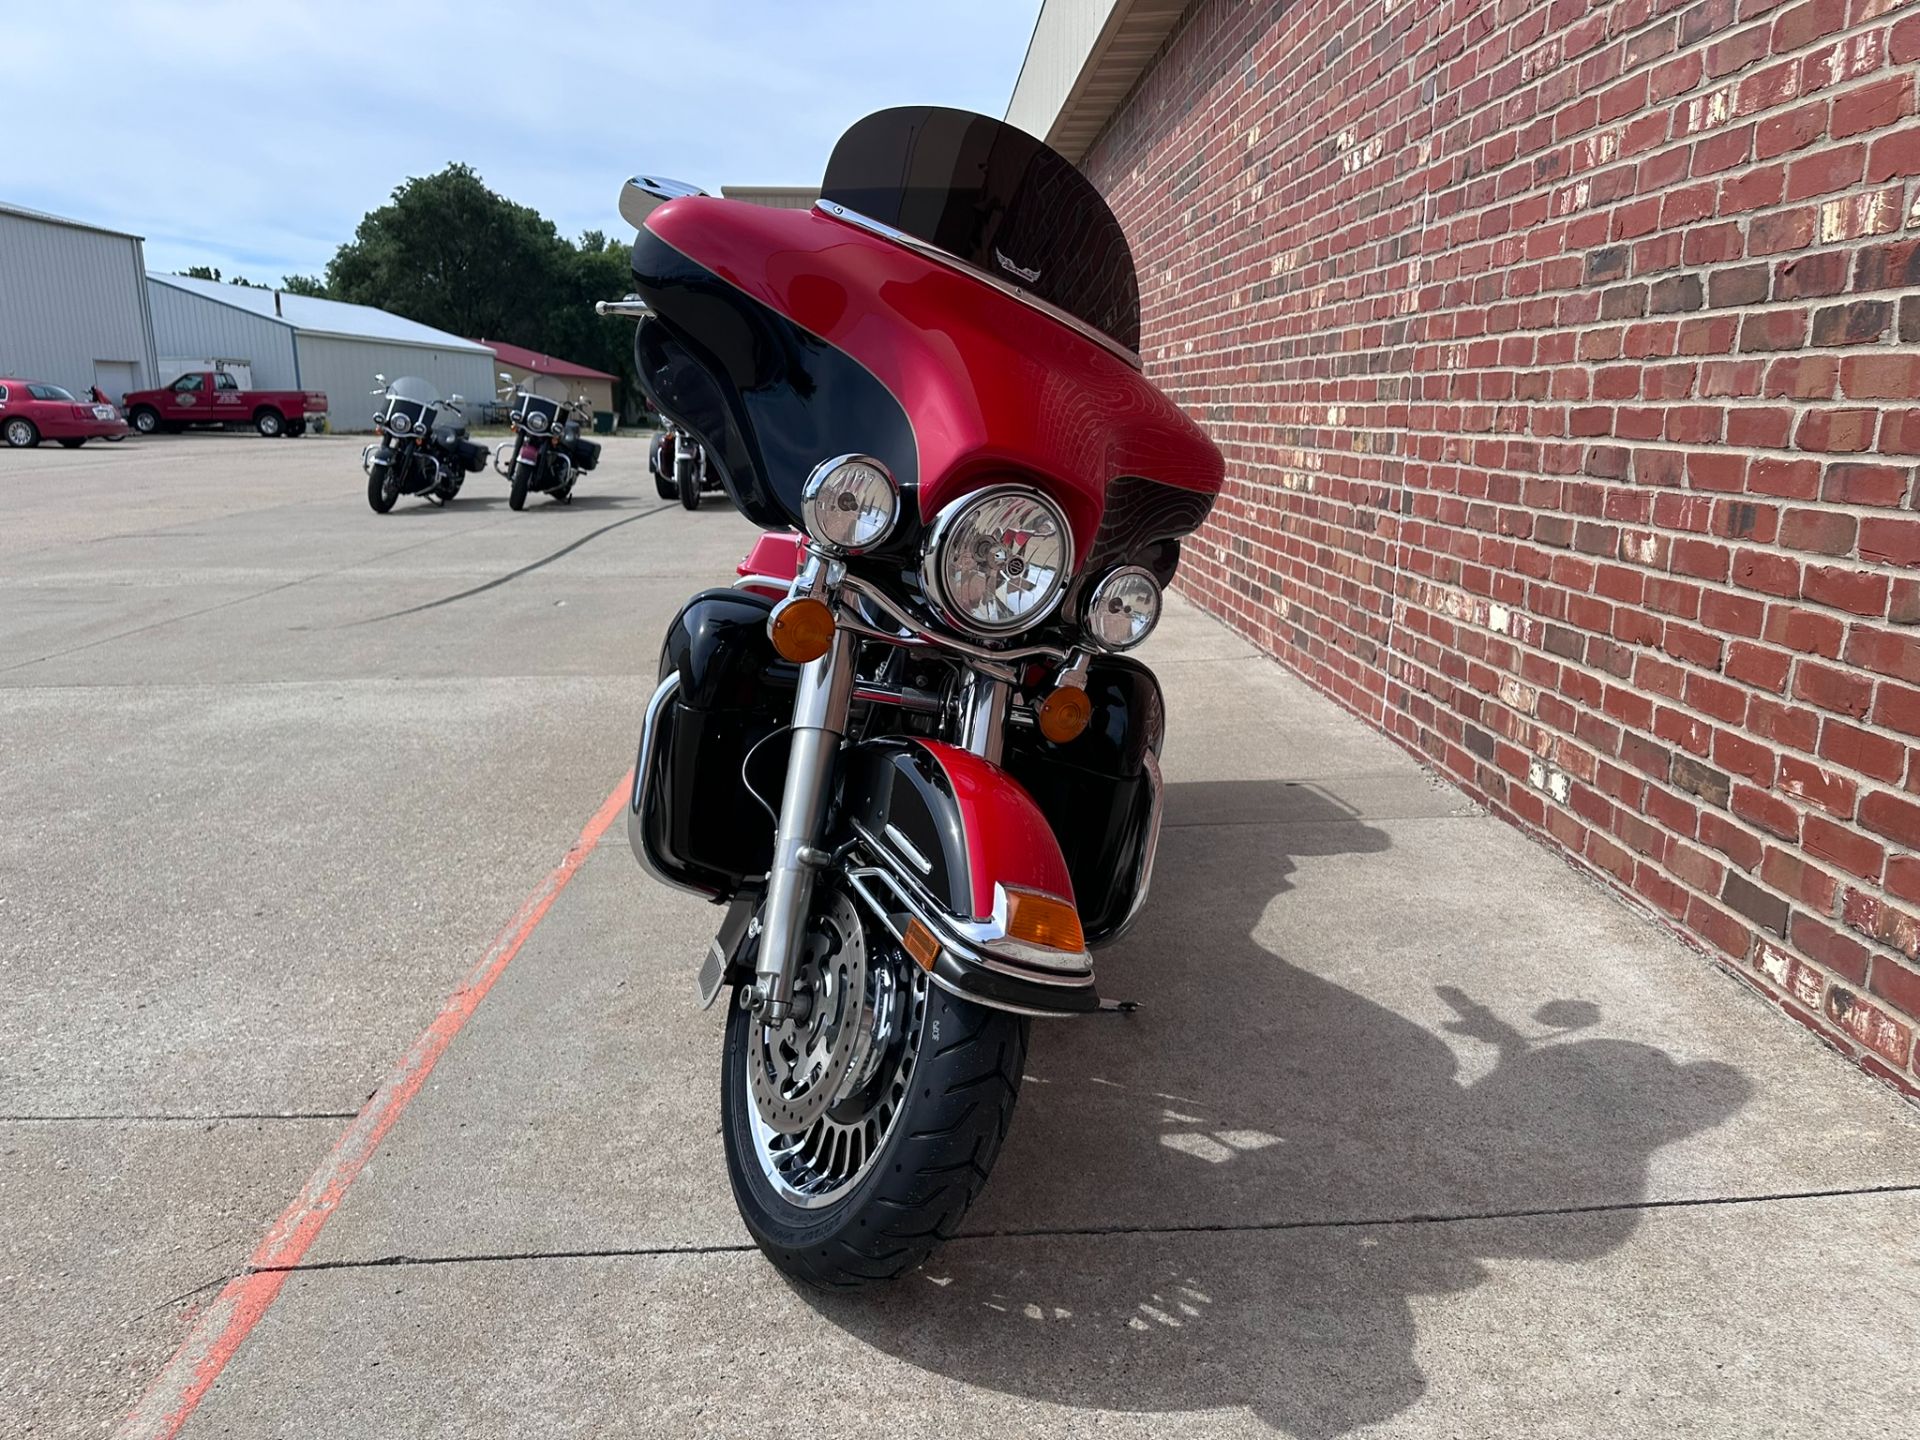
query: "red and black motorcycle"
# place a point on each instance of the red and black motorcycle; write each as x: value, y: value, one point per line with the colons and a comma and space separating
x: 907, y: 750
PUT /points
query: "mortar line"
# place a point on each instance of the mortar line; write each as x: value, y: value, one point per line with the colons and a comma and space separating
x: 1113, y: 1232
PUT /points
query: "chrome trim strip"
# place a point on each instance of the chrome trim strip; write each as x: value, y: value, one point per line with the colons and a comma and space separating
x: 642, y: 769
x: 914, y: 243
x: 1145, y: 881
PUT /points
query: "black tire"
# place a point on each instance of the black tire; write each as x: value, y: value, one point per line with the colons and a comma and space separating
x: 270, y: 424
x: 665, y: 487
x: 522, y: 478
x: 21, y: 433
x: 296, y: 429
x: 689, y: 495
x: 72, y: 444
x: 929, y: 1170
x: 145, y: 420
x: 380, y: 494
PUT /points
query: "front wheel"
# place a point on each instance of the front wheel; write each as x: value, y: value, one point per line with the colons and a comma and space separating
x: 382, y: 489
x: 689, y: 488
x: 144, y: 420
x: 522, y: 479
x: 857, y: 1138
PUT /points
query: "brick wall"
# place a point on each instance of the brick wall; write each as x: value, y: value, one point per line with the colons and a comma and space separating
x: 1566, y: 357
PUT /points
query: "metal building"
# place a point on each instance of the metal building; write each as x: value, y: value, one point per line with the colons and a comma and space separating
x: 296, y: 342
x: 73, y: 304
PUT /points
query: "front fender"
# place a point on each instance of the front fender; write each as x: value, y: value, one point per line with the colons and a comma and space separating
x: 940, y: 835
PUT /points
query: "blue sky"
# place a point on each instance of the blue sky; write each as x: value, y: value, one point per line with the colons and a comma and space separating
x: 253, y: 136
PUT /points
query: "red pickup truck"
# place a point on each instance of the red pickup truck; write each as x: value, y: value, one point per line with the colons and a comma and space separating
x: 213, y: 397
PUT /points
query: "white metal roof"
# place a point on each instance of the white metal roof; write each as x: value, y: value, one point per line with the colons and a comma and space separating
x: 313, y: 316
x: 8, y: 208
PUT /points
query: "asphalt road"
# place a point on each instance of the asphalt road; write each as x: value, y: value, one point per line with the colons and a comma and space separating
x: 1416, y: 1134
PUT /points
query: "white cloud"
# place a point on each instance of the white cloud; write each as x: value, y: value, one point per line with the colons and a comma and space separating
x: 255, y: 136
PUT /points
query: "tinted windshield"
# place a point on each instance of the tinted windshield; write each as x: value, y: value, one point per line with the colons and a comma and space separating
x: 996, y: 198
x: 412, y: 387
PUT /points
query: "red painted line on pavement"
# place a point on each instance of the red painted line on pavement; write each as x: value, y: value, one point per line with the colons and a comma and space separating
x: 223, y: 1326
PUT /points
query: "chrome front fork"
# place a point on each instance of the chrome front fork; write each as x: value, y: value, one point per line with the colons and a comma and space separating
x: 819, y: 723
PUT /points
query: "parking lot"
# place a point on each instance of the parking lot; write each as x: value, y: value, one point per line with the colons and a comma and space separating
x: 307, y: 890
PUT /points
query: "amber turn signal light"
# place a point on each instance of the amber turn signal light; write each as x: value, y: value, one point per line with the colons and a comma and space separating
x: 1042, y: 920
x: 920, y: 944
x: 801, y: 628
x: 1064, y: 714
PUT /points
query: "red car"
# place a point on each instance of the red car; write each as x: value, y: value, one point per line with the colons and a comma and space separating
x: 32, y: 411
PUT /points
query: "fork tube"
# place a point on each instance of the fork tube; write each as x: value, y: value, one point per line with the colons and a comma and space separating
x: 983, y: 715
x: 819, y: 720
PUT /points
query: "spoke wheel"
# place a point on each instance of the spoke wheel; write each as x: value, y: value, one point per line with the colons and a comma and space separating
x: 827, y: 1087
x: 858, y: 1133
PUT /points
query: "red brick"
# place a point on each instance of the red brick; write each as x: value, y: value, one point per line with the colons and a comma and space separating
x: 1886, y: 652
x: 1764, y: 810
x: 1840, y: 691
x: 1859, y: 592
x: 1767, y: 572
x: 1758, y: 666
x: 1898, y: 708
x: 1898, y: 985
x: 1872, y: 106
x: 1843, y: 846
x: 1893, y: 542
x: 1824, y: 532
x: 1828, y: 789
x: 1880, y: 377
x: 1862, y: 750
x: 1842, y: 954
x: 1809, y: 631
x: 1893, y: 816
x: 1870, y: 1025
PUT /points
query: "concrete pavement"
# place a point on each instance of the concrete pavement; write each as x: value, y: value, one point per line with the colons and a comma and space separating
x: 1417, y: 1133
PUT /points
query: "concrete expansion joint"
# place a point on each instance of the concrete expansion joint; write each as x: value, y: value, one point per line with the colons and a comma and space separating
x: 1099, y: 1232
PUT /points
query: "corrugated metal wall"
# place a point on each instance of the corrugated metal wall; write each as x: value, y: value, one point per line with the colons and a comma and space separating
x: 344, y: 369
x: 189, y: 324
x: 68, y: 297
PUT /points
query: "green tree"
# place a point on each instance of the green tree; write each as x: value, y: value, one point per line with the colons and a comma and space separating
x: 304, y: 285
x: 451, y: 253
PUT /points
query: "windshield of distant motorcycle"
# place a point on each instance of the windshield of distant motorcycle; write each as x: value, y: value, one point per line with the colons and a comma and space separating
x: 997, y: 199
x: 413, y: 389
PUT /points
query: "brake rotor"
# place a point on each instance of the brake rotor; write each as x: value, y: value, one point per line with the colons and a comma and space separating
x: 799, y: 1067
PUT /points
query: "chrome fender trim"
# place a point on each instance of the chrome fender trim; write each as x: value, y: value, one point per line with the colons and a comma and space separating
x: 964, y: 967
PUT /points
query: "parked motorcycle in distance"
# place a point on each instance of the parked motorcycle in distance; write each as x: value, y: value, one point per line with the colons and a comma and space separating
x: 547, y: 452
x: 420, y: 451
x: 680, y: 468
x: 907, y: 751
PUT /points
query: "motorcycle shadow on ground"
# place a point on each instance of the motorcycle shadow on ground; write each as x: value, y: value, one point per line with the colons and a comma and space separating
x: 1193, y: 1209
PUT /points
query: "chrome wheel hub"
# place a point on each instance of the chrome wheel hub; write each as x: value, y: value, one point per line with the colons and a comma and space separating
x: 828, y: 1085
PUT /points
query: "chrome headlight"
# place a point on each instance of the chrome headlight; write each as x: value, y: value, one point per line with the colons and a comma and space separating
x: 537, y: 421
x: 850, y: 503
x: 1122, y: 608
x: 998, y: 562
